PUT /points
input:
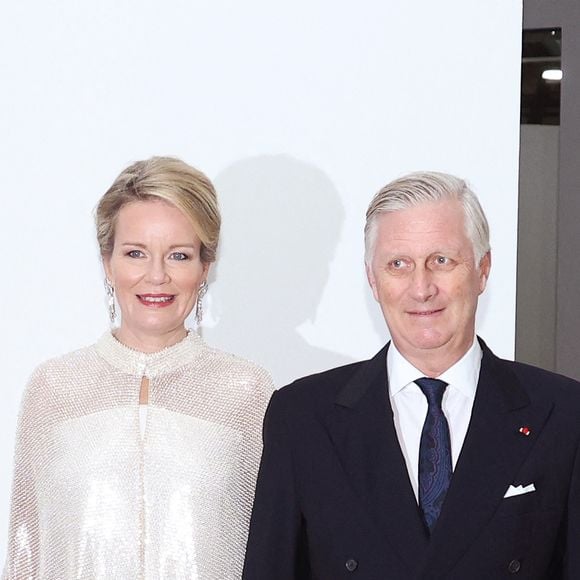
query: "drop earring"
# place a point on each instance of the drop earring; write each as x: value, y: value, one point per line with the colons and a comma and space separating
x: 198, y: 305
x: 110, y: 300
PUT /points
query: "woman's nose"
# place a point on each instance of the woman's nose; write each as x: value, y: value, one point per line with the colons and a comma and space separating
x: 157, y: 271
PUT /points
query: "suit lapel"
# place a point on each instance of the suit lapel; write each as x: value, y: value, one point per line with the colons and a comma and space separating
x: 492, y: 453
x: 362, y: 430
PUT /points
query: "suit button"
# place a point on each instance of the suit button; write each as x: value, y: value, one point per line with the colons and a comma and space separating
x: 514, y: 566
x: 351, y: 565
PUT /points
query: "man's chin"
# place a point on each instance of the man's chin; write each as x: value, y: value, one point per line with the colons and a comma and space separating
x: 430, y: 344
x: 430, y: 341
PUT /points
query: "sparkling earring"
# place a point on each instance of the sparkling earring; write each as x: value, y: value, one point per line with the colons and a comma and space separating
x: 110, y: 300
x: 198, y: 305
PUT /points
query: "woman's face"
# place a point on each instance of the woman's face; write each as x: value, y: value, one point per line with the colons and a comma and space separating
x: 156, y: 271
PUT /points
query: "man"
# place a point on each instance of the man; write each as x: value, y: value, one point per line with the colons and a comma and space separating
x: 435, y: 459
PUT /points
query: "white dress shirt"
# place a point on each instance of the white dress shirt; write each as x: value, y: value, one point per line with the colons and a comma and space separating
x: 409, y: 404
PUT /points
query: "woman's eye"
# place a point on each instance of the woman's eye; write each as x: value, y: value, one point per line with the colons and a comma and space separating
x: 179, y: 256
x: 135, y: 254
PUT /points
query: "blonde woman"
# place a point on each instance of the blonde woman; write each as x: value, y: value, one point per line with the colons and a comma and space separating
x: 137, y: 457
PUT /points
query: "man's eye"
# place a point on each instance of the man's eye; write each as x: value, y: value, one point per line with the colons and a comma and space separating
x: 179, y: 256
x: 443, y: 261
x: 135, y: 254
x: 397, y: 264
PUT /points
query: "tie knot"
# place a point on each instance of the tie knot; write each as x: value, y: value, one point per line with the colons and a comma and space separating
x: 433, y: 389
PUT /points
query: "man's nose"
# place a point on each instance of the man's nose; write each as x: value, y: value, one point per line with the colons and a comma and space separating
x: 423, y: 285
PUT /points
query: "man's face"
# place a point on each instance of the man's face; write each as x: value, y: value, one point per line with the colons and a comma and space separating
x: 423, y: 274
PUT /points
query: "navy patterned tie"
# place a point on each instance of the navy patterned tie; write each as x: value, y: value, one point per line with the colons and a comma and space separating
x: 435, y: 467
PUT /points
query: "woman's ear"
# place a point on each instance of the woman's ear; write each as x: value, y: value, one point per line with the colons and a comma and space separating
x: 107, y: 268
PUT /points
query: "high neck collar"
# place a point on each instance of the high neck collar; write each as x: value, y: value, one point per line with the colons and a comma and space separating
x: 146, y: 364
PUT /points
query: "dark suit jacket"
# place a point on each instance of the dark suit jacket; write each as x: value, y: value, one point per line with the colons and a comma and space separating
x: 334, y: 500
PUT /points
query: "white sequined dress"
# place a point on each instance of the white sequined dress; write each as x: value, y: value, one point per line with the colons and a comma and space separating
x: 92, y: 499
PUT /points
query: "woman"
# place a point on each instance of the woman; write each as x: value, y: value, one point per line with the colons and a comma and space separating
x: 137, y: 457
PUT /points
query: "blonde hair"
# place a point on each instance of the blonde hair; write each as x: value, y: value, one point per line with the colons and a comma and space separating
x: 424, y: 187
x: 168, y: 179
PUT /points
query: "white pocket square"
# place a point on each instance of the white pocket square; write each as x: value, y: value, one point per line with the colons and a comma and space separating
x: 519, y: 490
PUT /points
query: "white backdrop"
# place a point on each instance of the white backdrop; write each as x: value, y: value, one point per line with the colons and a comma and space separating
x: 299, y: 111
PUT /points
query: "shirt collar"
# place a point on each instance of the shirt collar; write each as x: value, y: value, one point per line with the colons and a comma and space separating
x: 463, y: 375
x: 152, y: 364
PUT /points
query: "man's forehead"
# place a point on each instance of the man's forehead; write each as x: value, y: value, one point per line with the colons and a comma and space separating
x: 418, y: 250
x: 425, y: 228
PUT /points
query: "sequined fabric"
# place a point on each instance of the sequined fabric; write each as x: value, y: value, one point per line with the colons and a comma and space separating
x: 92, y: 500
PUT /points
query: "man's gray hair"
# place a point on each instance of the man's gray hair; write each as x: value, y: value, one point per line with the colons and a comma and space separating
x: 425, y: 187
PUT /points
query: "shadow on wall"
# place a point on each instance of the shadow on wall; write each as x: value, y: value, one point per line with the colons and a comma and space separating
x: 281, y: 225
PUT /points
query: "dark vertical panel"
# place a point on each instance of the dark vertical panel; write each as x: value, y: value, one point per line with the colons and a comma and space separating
x: 566, y: 15
x: 568, y: 289
x: 537, y: 246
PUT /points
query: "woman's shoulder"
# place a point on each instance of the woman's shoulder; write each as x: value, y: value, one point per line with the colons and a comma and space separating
x: 72, y: 361
x: 63, y: 368
x: 236, y: 367
x: 51, y: 382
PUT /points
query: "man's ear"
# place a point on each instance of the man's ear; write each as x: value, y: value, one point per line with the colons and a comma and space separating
x: 372, y: 281
x: 484, y: 269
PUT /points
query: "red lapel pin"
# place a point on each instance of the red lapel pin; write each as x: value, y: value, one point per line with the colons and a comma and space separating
x: 525, y: 431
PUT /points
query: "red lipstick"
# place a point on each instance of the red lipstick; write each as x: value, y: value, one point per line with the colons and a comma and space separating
x: 156, y: 300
